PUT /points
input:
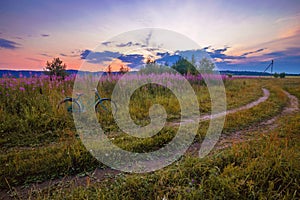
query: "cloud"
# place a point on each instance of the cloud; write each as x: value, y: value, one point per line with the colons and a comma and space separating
x: 129, y: 44
x: 34, y: 59
x: 46, y: 55
x: 66, y: 55
x: 8, y: 44
x: 288, y: 18
x: 219, y: 51
x: 293, y: 52
x: 45, y: 35
x: 290, y: 38
x: 219, y: 54
x: 106, y: 43
x: 286, y: 60
x: 132, y: 60
x: 98, y: 57
x: 206, y: 48
x: 252, y: 52
x: 19, y: 38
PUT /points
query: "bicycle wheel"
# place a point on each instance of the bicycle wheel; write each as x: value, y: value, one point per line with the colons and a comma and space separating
x: 70, y: 105
x: 106, y: 106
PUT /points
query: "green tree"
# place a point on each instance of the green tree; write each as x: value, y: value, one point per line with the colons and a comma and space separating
x: 153, y: 68
x: 276, y: 75
x: 206, y: 66
x: 56, y: 68
x: 183, y: 66
x: 193, y: 61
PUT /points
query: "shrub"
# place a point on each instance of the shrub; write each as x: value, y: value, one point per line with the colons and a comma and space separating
x: 229, y: 75
x: 282, y: 75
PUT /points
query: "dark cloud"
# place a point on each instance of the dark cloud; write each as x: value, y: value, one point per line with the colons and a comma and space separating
x: 129, y: 44
x: 34, y: 59
x: 293, y: 52
x: 219, y: 53
x: 106, y: 43
x: 98, y: 57
x: 45, y: 35
x: 8, y: 44
x: 252, y: 52
x: 46, y: 55
x: 163, y: 54
x: 133, y: 60
x: 198, y: 54
x: 206, y: 48
x: 69, y: 55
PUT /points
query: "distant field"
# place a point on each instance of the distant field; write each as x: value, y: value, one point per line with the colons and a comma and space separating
x: 39, y: 143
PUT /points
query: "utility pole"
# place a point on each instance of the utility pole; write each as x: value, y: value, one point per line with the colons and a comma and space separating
x: 271, y: 65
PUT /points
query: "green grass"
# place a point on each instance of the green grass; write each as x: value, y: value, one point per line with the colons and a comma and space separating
x: 264, y: 168
x: 40, y: 143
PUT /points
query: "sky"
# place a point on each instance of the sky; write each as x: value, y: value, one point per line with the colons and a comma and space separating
x: 238, y: 35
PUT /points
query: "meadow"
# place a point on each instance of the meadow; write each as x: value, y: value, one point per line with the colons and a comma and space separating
x: 39, y: 143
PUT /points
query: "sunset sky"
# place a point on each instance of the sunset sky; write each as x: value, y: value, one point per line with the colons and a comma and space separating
x: 239, y: 34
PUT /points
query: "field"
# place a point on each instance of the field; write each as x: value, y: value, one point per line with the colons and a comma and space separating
x: 257, y: 156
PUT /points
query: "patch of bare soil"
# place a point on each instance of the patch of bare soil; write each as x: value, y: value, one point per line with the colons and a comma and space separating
x: 266, y: 94
x: 228, y: 140
x: 21, y: 192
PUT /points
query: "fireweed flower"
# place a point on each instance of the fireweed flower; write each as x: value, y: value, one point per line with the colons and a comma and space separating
x: 22, y: 89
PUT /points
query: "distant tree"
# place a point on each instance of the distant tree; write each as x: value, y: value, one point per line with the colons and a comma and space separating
x: 109, y: 70
x: 56, y: 68
x: 153, y: 68
x: 123, y: 69
x: 183, y: 66
x: 193, y: 61
x: 282, y: 75
x: 276, y: 75
x: 150, y: 60
x: 206, y: 66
